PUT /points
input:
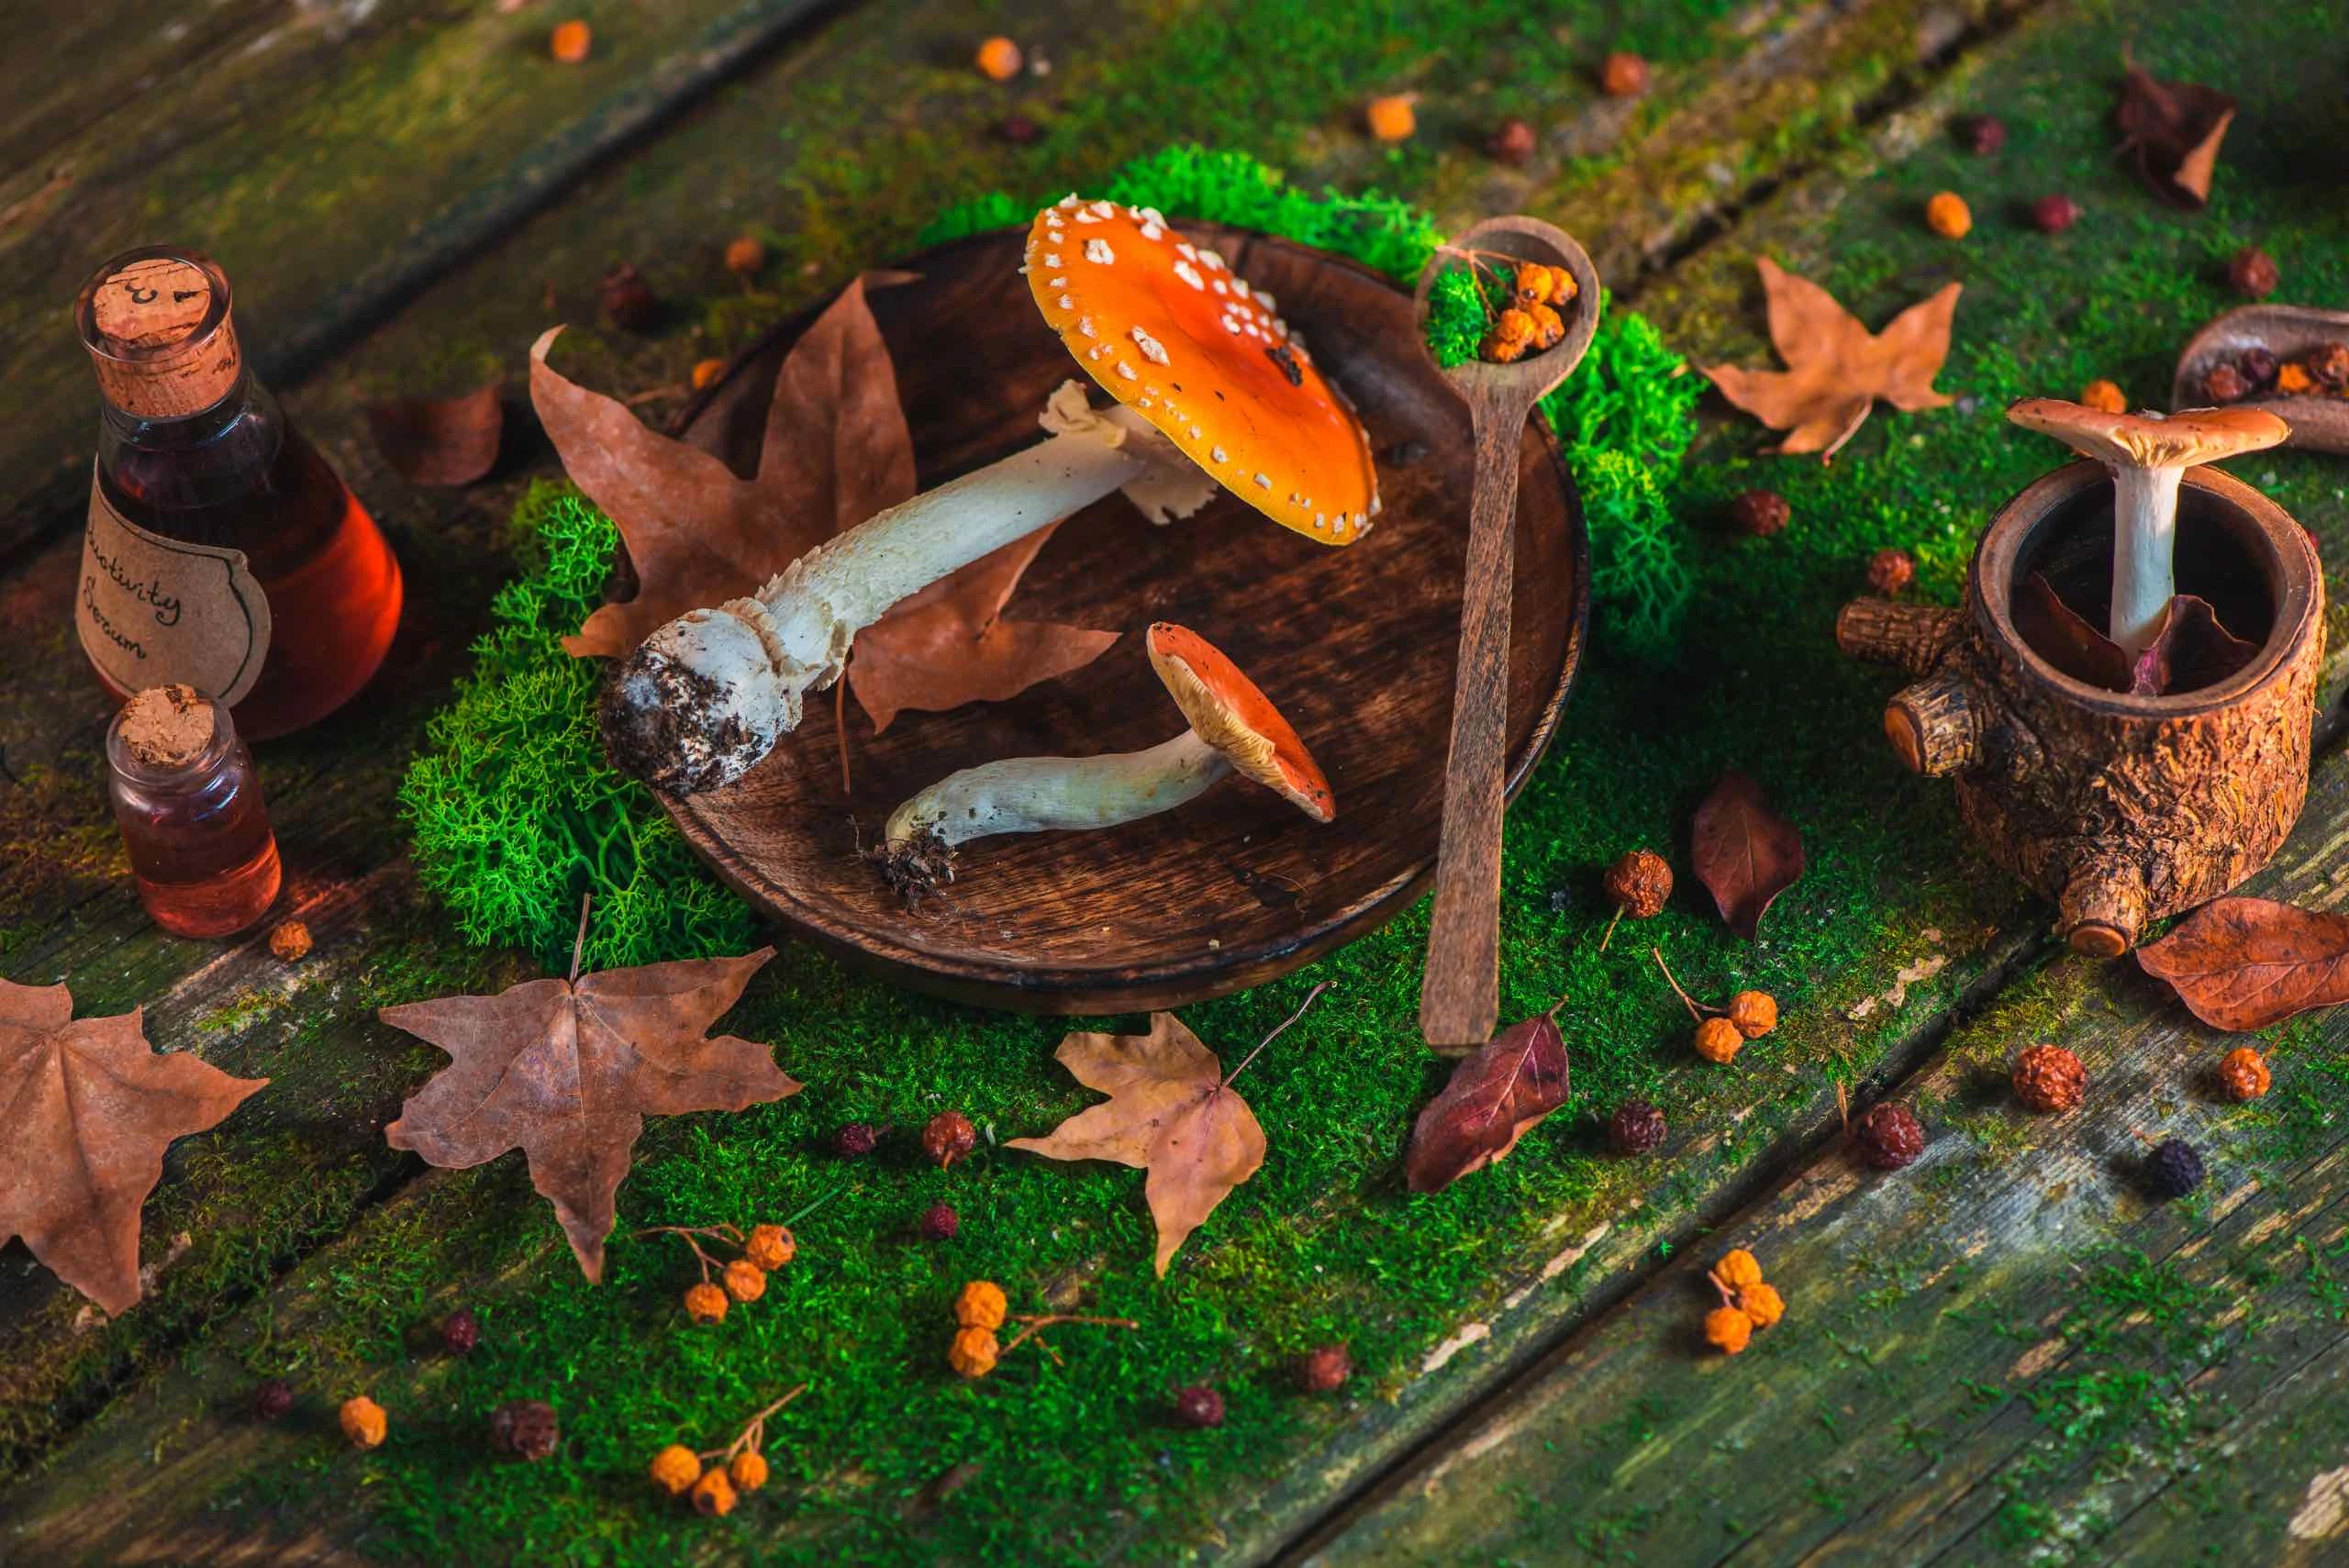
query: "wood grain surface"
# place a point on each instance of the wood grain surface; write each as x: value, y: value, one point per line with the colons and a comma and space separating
x: 1355, y: 645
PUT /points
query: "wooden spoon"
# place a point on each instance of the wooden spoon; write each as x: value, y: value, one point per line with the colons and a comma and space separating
x: 1459, y: 994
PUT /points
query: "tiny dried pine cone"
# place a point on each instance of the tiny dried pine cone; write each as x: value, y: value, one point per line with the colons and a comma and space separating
x: 1891, y: 571
x: 525, y: 1428
x: 2243, y: 1071
x: 947, y: 1138
x: 1889, y: 1136
x: 1325, y: 1370
x: 1636, y: 1128
x: 2049, y: 1078
x: 1638, y: 883
x: 1760, y: 513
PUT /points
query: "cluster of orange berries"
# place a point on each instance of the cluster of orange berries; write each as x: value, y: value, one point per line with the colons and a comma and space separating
x: 1531, y: 323
x: 739, y: 1467
x: 1748, y: 1303
x: 1722, y: 1032
x: 981, y: 1308
x: 765, y: 1249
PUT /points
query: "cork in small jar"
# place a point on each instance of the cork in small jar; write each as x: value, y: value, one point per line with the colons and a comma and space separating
x: 156, y: 323
x: 168, y: 727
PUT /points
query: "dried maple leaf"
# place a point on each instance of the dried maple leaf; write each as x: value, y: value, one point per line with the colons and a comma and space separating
x: 836, y: 450
x: 2244, y: 963
x: 567, y: 1069
x: 1172, y: 1111
x: 2189, y: 650
x: 1494, y: 1098
x: 2172, y: 131
x: 86, y: 1110
x: 1746, y: 855
x: 1835, y: 368
x: 446, y: 440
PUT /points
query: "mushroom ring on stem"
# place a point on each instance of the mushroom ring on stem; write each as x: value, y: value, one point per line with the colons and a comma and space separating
x: 2147, y: 454
x: 1213, y: 389
x: 1233, y: 727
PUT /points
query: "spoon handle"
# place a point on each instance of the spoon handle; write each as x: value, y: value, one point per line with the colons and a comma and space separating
x: 1460, y: 993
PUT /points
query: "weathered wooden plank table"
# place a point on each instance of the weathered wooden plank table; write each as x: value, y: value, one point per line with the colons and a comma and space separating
x: 2005, y: 1353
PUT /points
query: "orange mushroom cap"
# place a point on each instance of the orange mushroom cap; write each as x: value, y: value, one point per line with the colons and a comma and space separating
x: 1169, y: 330
x: 1228, y: 712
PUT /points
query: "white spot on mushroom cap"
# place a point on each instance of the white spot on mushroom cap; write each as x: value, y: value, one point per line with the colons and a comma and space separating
x: 1104, y: 209
x: 1218, y: 286
x: 1152, y: 231
x: 1263, y: 482
x: 1197, y: 433
x: 1053, y: 283
x: 1052, y: 258
x: 1211, y: 260
x: 1217, y: 452
x: 1067, y: 303
x: 1189, y: 274
x: 1126, y: 370
x: 1085, y: 325
x: 1098, y: 252
x: 1151, y: 349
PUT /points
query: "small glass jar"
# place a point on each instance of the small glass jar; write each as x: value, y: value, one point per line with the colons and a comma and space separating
x: 189, y: 805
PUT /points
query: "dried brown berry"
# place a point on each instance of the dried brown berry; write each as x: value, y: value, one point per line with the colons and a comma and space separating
x: 629, y: 301
x: 460, y: 1332
x: 1756, y: 1012
x: 770, y: 1247
x: 2222, y: 382
x: 1982, y: 134
x: 2055, y: 214
x: 2173, y: 1169
x: 1199, y: 1406
x: 745, y: 255
x: 1636, y: 1128
x: 272, y: 1399
x: 973, y: 1352
x: 947, y: 1138
x: 1891, y: 571
x: 706, y: 1303
x: 748, y: 1470
x: 1624, y: 75
x: 1325, y: 1369
x: 1948, y: 215
x: 1762, y: 1303
x: 1638, y: 883
x: 1737, y: 1269
x: 362, y: 1421
x: 1019, y: 130
x: 2329, y: 363
x: 2257, y: 364
x: 2104, y: 395
x: 1513, y: 142
x: 745, y: 1281
x: 1889, y: 1136
x: 1728, y: 1330
x: 2049, y: 1079
x: 857, y: 1139
x: 290, y: 941
x: 713, y: 1494
x: 2250, y: 273
x: 525, y: 1428
x: 939, y: 1222
x: 1760, y: 513
x: 981, y: 1304
x: 2243, y: 1071
x: 1717, y: 1040
x: 676, y: 1469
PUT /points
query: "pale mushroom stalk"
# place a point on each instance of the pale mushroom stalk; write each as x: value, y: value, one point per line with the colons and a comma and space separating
x: 2147, y: 455
x: 1213, y: 391
x: 1234, y: 727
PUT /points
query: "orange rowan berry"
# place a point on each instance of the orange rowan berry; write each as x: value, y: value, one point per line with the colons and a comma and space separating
x: 1391, y: 118
x: 2243, y: 1072
x: 707, y: 370
x: 706, y: 1303
x: 713, y: 1494
x: 1727, y: 1329
x: 981, y: 1304
x: 1624, y: 75
x: 1718, y: 1039
x: 745, y: 255
x: 1762, y: 1303
x: 745, y: 1281
x: 973, y: 1352
x: 363, y: 1421
x: 770, y: 1247
x: 676, y: 1469
x: 571, y: 42
x: 1737, y: 1269
x: 749, y: 1471
x: 1948, y: 215
x: 1756, y: 1012
x: 999, y: 60
x: 290, y: 941
x: 2104, y: 395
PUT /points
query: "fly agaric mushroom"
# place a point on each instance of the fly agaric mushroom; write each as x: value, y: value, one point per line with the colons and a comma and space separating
x: 1207, y: 376
x: 1233, y: 725
x: 2147, y: 454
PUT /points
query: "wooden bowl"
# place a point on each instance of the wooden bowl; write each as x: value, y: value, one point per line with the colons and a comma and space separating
x: 1355, y: 645
x: 2319, y: 422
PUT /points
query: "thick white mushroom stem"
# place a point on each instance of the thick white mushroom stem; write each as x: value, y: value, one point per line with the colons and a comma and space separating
x: 1037, y: 794
x: 708, y: 695
x: 2144, y: 542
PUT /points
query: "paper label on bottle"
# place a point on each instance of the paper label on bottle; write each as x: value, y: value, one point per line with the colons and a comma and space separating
x: 152, y: 609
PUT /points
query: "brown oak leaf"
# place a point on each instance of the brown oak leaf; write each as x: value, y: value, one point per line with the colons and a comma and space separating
x: 567, y: 1069
x: 1835, y: 368
x: 2191, y: 649
x: 444, y: 440
x: 836, y: 450
x: 1746, y: 855
x: 2244, y: 963
x: 1171, y: 1111
x: 86, y: 1109
x: 2172, y: 131
x: 1495, y: 1096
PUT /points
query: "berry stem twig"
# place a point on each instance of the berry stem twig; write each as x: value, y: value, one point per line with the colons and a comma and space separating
x: 1278, y: 1030
x: 1035, y: 1323
x: 1697, y: 1009
x: 754, y: 1431
x: 579, y: 943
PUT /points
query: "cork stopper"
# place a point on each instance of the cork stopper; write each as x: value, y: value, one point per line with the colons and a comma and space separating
x: 156, y: 323
x: 168, y: 727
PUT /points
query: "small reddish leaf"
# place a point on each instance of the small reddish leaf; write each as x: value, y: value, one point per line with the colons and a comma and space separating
x: 1746, y: 855
x: 1495, y: 1096
x: 2065, y: 638
x: 2244, y: 963
x: 2191, y: 650
x: 2173, y: 129
x: 567, y: 1070
x: 447, y: 441
x: 86, y: 1109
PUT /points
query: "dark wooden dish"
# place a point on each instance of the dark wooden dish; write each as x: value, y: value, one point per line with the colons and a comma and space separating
x: 2319, y: 422
x: 1355, y: 645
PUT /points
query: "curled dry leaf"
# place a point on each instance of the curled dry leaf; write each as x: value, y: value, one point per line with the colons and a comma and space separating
x: 86, y: 1109
x: 2244, y: 963
x: 1495, y: 1096
x: 1745, y: 853
x: 1835, y: 368
x: 2172, y: 131
x: 1171, y: 1112
x: 2189, y: 650
x: 836, y: 450
x: 567, y: 1069
x: 445, y: 441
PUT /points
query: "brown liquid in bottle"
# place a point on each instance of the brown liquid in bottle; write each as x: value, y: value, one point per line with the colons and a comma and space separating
x: 222, y: 552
